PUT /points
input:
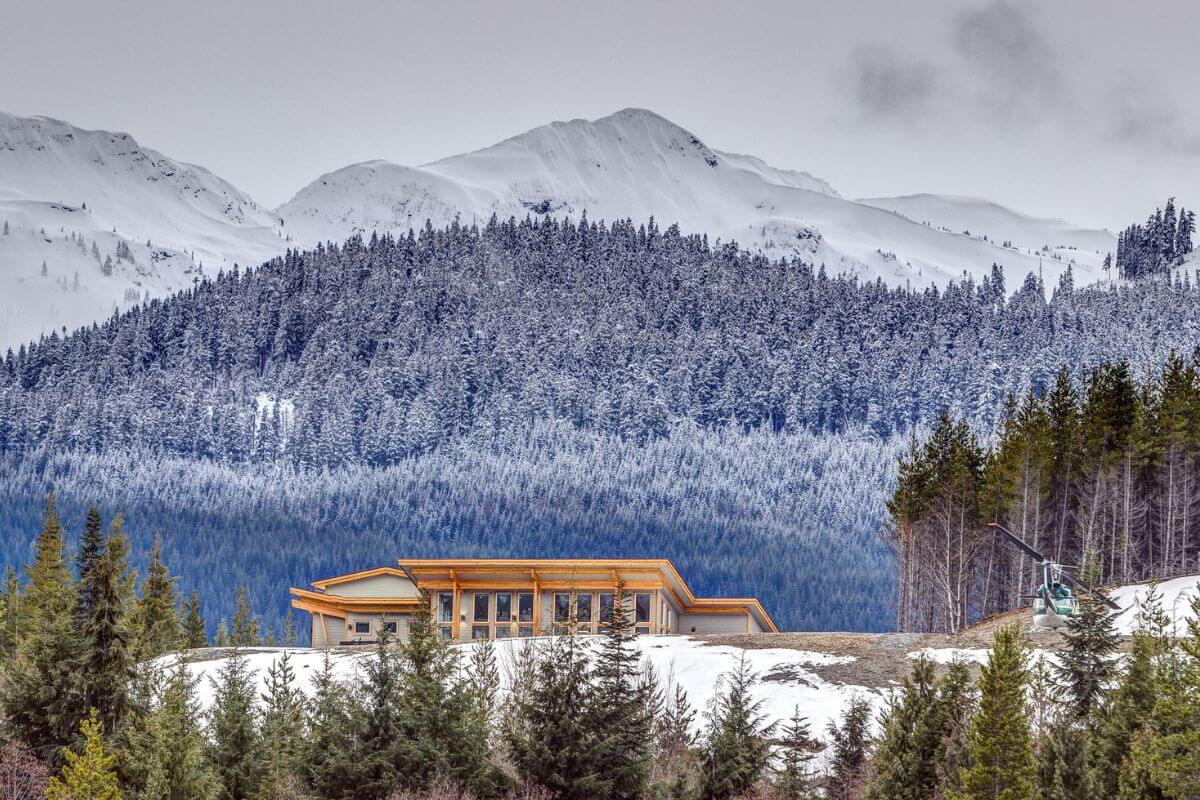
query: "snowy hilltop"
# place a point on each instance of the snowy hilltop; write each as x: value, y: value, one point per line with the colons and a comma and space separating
x: 91, y: 221
x: 114, y: 222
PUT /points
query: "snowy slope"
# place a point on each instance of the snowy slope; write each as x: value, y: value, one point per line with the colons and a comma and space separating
x: 636, y: 164
x: 50, y: 170
x: 978, y: 217
x: 1174, y: 595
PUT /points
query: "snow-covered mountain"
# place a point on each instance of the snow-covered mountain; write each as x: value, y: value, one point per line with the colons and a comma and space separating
x: 72, y: 199
x: 636, y: 164
x: 974, y: 216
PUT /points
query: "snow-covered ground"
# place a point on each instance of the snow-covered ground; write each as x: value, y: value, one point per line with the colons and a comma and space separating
x: 1174, y: 595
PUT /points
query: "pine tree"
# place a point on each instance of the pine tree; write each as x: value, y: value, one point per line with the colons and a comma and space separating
x: 91, y: 548
x: 195, y: 632
x: 737, y: 749
x: 674, y: 762
x: 10, y: 614
x: 90, y: 775
x: 163, y: 754
x: 156, y: 623
x: 329, y: 752
x: 235, y: 748
x: 284, y: 718
x: 795, y: 779
x: 1089, y: 639
x: 41, y: 699
x: 246, y: 628
x: 378, y: 731
x: 434, y: 706
x: 910, y: 748
x: 956, y: 696
x: 1001, y: 764
x: 851, y: 742
x: 1129, y: 706
x: 549, y: 738
x: 483, y: 676
x: 107, y: 664
x: 619, y: 713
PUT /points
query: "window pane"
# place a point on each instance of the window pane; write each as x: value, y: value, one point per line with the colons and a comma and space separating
x: 503, y: 632
x: 479, y: 632
x: 525, y: 607
x: 606, y: 606
x: 583, y: 608
x: 390, y: 626
x: 446, y: 632
x: 362, y: 627
x: 481, y: 606
x: 525, y: 630
x: 641, y: 608
x: 504, y: 607
x: 562, y: 607
x: 642, y: 630
x: 446, y: 607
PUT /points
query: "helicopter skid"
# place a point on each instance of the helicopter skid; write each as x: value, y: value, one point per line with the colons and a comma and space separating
x: 1050, y: 620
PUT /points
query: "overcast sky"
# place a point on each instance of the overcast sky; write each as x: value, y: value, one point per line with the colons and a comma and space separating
x: 1084, y: 109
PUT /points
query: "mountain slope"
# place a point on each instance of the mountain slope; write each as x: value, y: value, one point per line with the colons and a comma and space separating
x: 636, y: 164
x: 979, y: 217
x: 64, y: 189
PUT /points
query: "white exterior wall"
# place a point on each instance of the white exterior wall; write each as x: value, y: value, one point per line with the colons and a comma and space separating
x: 335, y: 625
x: 715, y: 623
x: 348, y: 625
x: 376, y: 586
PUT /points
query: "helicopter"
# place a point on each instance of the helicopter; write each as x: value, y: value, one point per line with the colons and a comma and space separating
x: 1053, y: 602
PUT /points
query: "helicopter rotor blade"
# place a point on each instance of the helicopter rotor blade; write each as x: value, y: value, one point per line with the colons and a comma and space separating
x: 1018, y: 541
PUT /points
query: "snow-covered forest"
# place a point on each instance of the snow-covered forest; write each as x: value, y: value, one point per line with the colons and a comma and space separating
x: 617, y: 377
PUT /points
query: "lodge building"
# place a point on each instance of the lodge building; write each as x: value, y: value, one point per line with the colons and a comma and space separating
x: 483, y: 598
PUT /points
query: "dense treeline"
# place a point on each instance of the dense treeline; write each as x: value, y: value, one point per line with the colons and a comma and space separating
x: 1111, y: 470
x: 1157, y: 246
x: 371, y: 352
x: 792, y: 519
x: 90, y: 710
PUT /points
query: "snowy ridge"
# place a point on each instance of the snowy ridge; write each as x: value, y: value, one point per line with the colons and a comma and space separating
x: 636, y: 164
x: 1175, y: 597
x: 175, y: 219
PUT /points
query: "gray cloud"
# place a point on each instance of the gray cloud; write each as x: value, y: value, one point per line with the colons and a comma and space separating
x: 1010, y: 61
x: 888, y: 85
x: 1141, y: 118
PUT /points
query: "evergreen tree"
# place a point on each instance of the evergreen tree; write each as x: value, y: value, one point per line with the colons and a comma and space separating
x: 956, y: 696
x: 156, y: 621
x: 620, y: 716
x: 107, y: 665
x: 377, y: 731
x: 246, y: 629
x: 195, y: 632
x: 549, y: 739
x: 163, y: 757
x: 91, y: 548
x: 915, y: 726
x: 1001, y: 764
x: 284, y: 718
x: 90, y: 775
x: 674, y: 762
x: 41, y: 699
x: 10, y: 614
x: 737, y: 750
x: 235, y: 746
x: 851, y: 742
x: 1084, y: 667
x: 795, y: 779
x: 329, y: 752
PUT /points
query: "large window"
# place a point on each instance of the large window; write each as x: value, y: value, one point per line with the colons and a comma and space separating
x: 525, y: 607
x: 583, y: 608
x: 641, y: 608
x: 606, y: 608
x: 482, y: 600
x: 446, y: 607
x: 562, y: 607
x: 504, y: 607
x: 479, y: 632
